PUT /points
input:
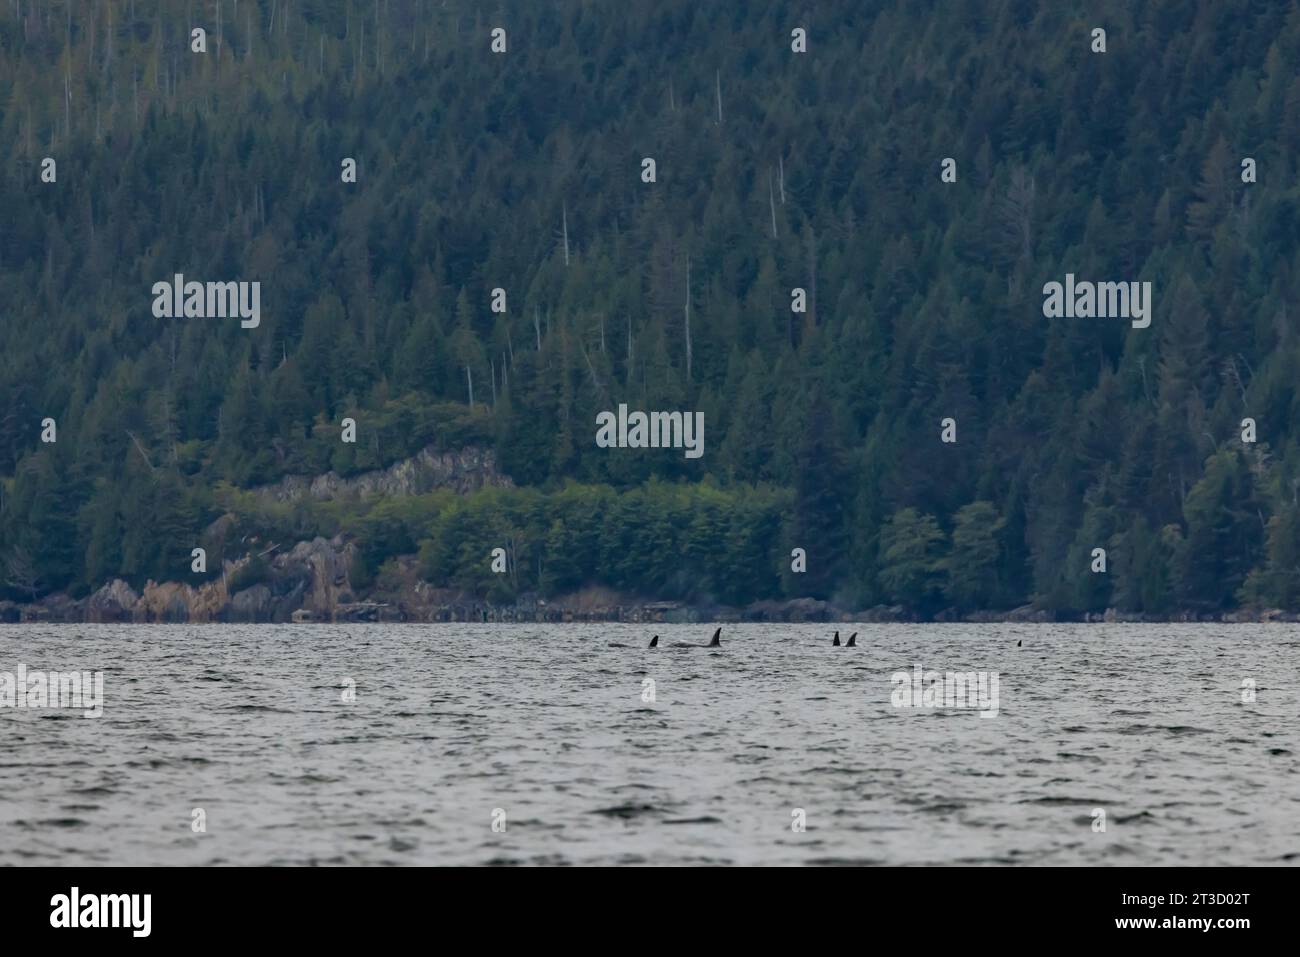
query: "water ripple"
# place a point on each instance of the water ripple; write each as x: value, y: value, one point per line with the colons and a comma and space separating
x: 542, y: 745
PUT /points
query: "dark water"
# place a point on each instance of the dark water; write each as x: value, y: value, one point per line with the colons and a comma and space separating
x: 547, y: 724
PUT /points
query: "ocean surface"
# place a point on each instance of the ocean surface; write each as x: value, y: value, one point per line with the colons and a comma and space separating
x: 545, y: 731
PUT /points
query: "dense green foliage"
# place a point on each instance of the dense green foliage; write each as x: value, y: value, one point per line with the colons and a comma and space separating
x: 522, y: 171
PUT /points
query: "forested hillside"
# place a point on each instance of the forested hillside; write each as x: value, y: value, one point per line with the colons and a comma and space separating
x: 775, y: 170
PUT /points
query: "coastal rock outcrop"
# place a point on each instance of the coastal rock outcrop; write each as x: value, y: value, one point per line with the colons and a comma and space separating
x: 462, y: 471
x: 114, y: 602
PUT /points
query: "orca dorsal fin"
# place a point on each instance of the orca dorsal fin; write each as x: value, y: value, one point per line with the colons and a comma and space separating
x: 836, y: 642
x: 654, y: 642
x: 717, y: 639
x: 853, y: 641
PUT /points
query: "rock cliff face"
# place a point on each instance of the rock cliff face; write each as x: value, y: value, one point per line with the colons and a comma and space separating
x: 312, y: 577
x: 112, y: 603
x: 174, y: 602
x: 463, y: 471
x: 321, y: 567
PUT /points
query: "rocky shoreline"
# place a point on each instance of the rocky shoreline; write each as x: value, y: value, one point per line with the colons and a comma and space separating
x: 310, y: 584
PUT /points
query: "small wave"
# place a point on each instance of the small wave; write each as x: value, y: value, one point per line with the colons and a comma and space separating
x: 845, y: 862
x: 627, y: 810
x: 258, y: 708
x: 1139, y: 816
x: 1093, y: 802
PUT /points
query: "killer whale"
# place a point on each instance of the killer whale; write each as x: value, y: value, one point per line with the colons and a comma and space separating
x: 853, y: 641
x: 654, y: 643
x: 715, y: 643
x: 836, y: 642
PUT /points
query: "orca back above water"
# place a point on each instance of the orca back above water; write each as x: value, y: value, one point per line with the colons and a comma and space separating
x: 853, y: 641
x: 836, y: 642
x: 715, y: 643
x: 654, y: 642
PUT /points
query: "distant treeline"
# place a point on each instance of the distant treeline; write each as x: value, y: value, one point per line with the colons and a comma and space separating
x: 776, y: 171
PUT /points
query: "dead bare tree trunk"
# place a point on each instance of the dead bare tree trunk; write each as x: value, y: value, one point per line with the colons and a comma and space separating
x: 812, y: 274
x: 1016, y: 211
x: 143, y: 453
x: 688, y: 318
x: 108, y: 40
x: 565, y: 215
x: 770, y: 201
